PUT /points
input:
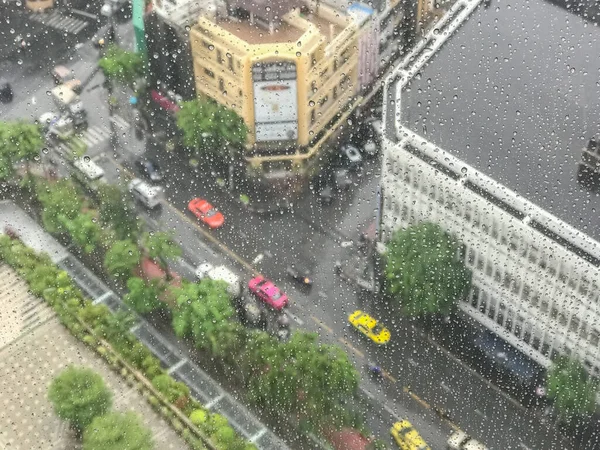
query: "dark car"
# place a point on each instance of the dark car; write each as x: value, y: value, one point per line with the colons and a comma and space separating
x: 351, y: 156
x: 6, y: 92
x: 149, y: 169
x: 300, y: 274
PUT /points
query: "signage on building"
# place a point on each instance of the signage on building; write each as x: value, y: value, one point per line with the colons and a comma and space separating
x: 275, y: 101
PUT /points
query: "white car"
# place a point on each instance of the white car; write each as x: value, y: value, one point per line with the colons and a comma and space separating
x: 221, y: 273
x: 459, y: 440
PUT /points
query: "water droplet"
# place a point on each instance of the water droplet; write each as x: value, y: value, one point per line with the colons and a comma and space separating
x: 86, y: 158
x: 311, y: 103
x: 45, y: 150
x: 211, y: 47
x: 298, y: 54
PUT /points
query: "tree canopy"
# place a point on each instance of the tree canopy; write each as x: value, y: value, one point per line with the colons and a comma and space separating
x: 122, y: 66
x: 423, y: 272
x: 78, y: 396
x: 18, y: 141
x: 573, y: 392
x: 117, y: 431
x: 116, y: 209
x: 121, y: 258
x: 202, y: 310
x: 160, y: 247
x: 144, y: 297
x: 60, y: 200
x: 212, y: 129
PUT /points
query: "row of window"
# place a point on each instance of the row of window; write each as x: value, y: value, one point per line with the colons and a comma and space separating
x: 528, y: 332
x: 517, y: 244
x: 515, y: 323
x: 229, y: 59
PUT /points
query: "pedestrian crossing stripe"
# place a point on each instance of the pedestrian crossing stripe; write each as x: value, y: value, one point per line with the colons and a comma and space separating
x: 57, y: 21
x: 96, y: 134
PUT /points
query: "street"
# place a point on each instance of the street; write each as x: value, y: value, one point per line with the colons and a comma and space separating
x: 420, y: 379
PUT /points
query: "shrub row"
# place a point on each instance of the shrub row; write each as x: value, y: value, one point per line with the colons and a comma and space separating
x: 108, y: 334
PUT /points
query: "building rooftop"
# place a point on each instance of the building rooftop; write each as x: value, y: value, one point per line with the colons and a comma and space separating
x: 255, y: 34
x: 516, y: 95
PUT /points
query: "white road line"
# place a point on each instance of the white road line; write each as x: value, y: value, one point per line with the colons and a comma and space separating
x: 258, y: 258
x: 391, y: 412
x: 367, y: 393
x: 176, y: 366
x: 186, y: 264
x: 294, y: 318
x: 412, y: 362
x: 479, y: 413
x: 445, y: 387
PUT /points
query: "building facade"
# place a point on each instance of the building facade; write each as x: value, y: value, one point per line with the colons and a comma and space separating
x: 291, y: 77
x: 536, y: 280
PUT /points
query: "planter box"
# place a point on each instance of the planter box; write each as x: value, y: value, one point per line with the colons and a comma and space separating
x: 39, y: 5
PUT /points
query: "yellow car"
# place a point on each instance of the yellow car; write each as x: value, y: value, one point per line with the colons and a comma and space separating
x: 368, y: 326
x: 407, y: 437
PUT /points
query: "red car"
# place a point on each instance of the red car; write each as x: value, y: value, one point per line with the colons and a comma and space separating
x: 206, y: 212
x: 268, y: 292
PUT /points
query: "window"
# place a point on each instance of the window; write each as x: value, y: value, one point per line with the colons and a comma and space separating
x: 210, y: 73
x: 335, y: 92
x: 230, y: 62
x: 312, y: 117
x: 219, y: 57
x: 221, y: 85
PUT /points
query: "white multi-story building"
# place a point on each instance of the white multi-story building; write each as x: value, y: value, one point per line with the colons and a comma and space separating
x: 536, y: 279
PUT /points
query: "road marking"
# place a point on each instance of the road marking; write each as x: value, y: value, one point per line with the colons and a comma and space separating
x: 187, y: 265
x: 351, y: 347
x: 367, y: 393
x: 294, y: 318
x: 479, y: 413
x: 346, y: 244
x: 258, y: 258
x: 321, y: 324
x: 202, y: 231
x: 322, y: 295
x: 391, y: 412
x: 389, y: 376
x: 412, y: 362
x: 445, y: 387
x: 214, y: 240
x: 416, y: 398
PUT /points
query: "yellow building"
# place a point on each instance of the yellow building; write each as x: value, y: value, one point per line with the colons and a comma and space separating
x: 290, y: 71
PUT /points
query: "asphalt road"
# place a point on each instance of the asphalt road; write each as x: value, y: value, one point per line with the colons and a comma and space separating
x: 419, y: 375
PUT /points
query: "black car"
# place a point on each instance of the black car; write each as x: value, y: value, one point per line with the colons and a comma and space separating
x: 149, y: 169
x: 6, y: 92
x: 301, y: 274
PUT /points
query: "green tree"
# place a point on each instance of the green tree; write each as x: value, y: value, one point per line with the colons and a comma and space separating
x: 302, y: 376
x: 202, y: 310
x: 213, y: 130
x: 160, y: 247
x: 19, y: 141
x: 60, y: 201
x: 121, y: 258
x: 144, y: 297
x: 122, y: 66
x: 571, y: 389
x: 84, y: 230
x: 117, y: 210
x: 423, y: 271
x: 117, y: 431
x: 78, y: 396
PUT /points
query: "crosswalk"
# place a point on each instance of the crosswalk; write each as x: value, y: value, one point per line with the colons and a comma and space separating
x: 58, y: 21
x: 95, y: 135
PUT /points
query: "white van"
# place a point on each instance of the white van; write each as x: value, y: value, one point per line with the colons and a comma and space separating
x: 221, y: 273
x: 89, y: 168
x: 459, y: 440
x: 147, y: 195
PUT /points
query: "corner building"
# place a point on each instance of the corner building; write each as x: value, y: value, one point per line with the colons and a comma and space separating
x: 536, y: 279
x: 288, y: 68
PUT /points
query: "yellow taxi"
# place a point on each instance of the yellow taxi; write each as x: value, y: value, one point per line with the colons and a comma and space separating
x: 407, y: 437
x: 369, y: 326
